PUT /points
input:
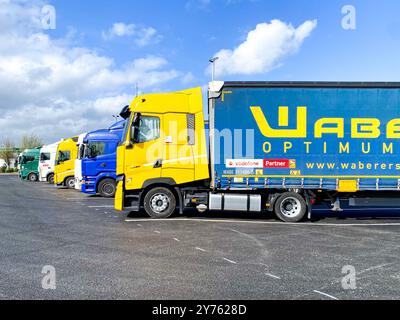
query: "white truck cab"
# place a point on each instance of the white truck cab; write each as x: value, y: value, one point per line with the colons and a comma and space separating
x: 47, y: 162
x: 19, y: 161
x: 78, y: 162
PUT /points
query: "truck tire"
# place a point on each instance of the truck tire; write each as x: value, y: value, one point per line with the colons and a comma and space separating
x: 33, y: 177
x: 160, y: 203
x: 50, y: 178
x: 107, y: 188
x: 70, y: 182
x: 290, y: 207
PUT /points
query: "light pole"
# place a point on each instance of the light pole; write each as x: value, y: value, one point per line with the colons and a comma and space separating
x: 137, y: 89
x: 213, y: 61
x: 115, y: 117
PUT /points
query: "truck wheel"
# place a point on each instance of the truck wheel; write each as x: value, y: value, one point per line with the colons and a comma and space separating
x: 107, y: 188
x: 33, y: 177
x: 160, y: 203
x: 70, y: 183
x: 290, y: 207
x: 50, y: 178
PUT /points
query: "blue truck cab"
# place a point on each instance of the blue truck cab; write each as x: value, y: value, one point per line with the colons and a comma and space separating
x: 99, y: 160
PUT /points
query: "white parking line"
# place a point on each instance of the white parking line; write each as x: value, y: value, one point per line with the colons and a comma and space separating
x: 177, y: 240
x: 155, y: 231
x: 272, y: 276
x: 89, y: 199
x: 147, y: 220
x: 302, y: 224
x: 200, y: 249
x: 326, y: 295
x: 100, y: 206
x: 139, y: 225
x: 230, y: 261
x: 363, y: 209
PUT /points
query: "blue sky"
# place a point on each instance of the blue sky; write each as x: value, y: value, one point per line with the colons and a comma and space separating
x: 193, y: 31
x: 85, y: 70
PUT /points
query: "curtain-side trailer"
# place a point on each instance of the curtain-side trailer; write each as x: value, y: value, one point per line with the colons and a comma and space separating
x: 274, y: 147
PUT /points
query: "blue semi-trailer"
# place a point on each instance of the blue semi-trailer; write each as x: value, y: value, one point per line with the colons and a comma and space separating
x: 99, y: 160
x: 307, y: 142
x: 273, y: 147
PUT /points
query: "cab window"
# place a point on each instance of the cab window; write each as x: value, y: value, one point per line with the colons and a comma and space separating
x: 26, y: 159
x: 149, y: 129
x: 64, y: 156
x: 44, y: 156
x: 97, y: 149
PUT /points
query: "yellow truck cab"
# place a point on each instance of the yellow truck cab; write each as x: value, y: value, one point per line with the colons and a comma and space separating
x: 162, y: 151
x: 64, y: 171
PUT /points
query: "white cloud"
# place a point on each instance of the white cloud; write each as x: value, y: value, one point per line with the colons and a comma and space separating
x: 111, y: 105
x: 188, y: 78
x: 147, y: 36
x: 142, y: 36
x: 264, y: 48
x: 120, y: 29
x: 55, y: 89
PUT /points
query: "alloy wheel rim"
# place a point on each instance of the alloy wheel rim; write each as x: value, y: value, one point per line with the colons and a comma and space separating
x: 290, y: 207
x: 108, y: 189
x: 159, y: 202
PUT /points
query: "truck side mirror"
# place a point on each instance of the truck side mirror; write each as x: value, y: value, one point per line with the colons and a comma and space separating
x: 135, y: 128
x: 125, y: 113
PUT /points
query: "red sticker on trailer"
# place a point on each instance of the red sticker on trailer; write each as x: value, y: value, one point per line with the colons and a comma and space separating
x: 277, y: 163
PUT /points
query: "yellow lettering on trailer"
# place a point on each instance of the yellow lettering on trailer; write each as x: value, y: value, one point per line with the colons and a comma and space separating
x: 338, y: 129
x: 267, y: 131
x: 365, y: 128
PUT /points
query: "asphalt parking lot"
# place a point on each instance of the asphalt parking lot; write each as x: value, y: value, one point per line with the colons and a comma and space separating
x: 99, y: 253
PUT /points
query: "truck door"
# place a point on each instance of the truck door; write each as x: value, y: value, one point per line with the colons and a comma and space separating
x: 102, y: 158
x: 64, y: 161
x: 44, y: 164
x: 178, y: 152
x: 143, y: 160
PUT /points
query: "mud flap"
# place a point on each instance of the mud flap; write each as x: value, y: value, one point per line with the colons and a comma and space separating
x: 309, y: 206
x: 119, y: 197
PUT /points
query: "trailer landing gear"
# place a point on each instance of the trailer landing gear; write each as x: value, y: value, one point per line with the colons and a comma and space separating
x: 336, y: 206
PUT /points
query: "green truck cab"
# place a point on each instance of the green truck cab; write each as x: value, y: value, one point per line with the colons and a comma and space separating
x: 29, y: 163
